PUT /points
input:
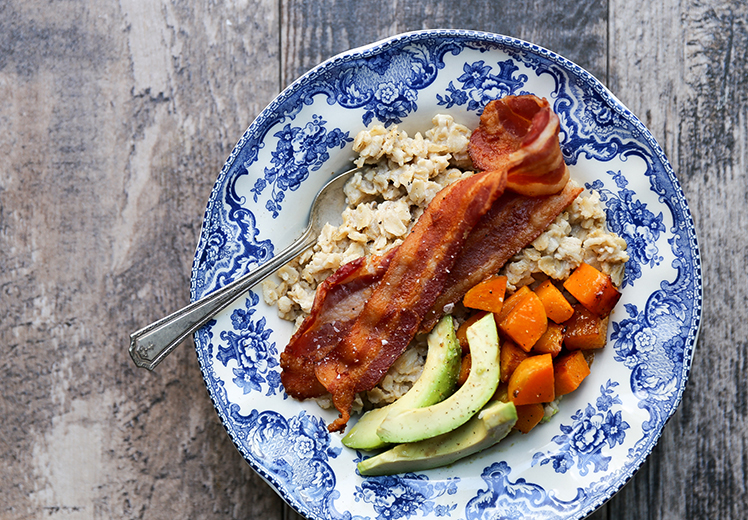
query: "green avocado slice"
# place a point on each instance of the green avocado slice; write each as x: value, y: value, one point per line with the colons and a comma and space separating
x: 436, y: 382
x: 485, y: 429
x: 415, y: 424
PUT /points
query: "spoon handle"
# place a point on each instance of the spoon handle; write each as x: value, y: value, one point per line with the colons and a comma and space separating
x: 151, y: 344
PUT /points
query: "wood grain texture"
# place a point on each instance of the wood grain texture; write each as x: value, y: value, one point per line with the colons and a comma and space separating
x: 314, y: 31
x: 693, y: 98
x: 116, y: 118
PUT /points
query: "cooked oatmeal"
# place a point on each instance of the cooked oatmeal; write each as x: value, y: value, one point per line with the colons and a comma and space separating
x: 577, y: 235
x: 384, y: 201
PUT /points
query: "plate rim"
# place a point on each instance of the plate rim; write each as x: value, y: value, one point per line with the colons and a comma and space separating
x: 500, y: 40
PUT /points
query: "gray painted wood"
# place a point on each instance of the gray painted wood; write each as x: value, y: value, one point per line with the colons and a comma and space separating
x: 114, y: 122
x: 682, y: 67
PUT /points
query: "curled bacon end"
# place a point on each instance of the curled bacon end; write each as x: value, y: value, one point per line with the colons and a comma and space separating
x: 537, y: 186
x: 503, y: 127
x: 337, y: 303
x: 520, y: 133
x: 413, y: 281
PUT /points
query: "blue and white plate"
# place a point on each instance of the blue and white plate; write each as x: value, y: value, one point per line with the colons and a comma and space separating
x: 603, y: 432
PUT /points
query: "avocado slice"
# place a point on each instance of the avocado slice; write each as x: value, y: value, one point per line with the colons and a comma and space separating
x: 485, y: 429
x: 436, y: 382
x: 415, y: 424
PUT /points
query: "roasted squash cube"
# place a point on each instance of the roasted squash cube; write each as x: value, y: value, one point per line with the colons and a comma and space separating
x: 526, y: 322
x: 532, y: 381
x: 529, y: 416
x: 585, y: 330
x: 569, y: 371
x: 488, y: 295
x: 593, y: 289
x: 557, y: 307
x: 511, y: 302
x: 552, y: 341
x: 510, y: 357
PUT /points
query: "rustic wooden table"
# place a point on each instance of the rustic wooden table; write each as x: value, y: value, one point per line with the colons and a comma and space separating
x: 115, y: 118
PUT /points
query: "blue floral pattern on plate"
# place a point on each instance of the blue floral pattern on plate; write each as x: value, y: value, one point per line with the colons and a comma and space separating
x: 516, y: 500
x: 394, y: 497
x: 631, y: 219
x: 479, y: 85
x: 582, y: 442
x: 299, y: 152
x: 249, y: 344
x: 299, y: 449
x: 602, y: 435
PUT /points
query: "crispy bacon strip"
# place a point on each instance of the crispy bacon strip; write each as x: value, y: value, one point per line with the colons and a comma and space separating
x: 413, y: 281
x: 517, y: 138
x: 337, y: 303
x: 512, y: 222
x: 520, y: 133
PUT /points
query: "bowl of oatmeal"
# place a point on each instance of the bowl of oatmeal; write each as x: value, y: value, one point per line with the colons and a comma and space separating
x: 403, y: 109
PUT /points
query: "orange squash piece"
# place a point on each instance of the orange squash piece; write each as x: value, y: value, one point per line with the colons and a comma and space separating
x: 557, y: 308
x: 467, y: 362
x: 593, y: 289
x: 511, y: 302
x: 569, y: 371
x: 585, y: 330
x: 552, y: 341
x: 528, y: 417
x: 532, y: 381
x: 501, y: 393
x: 462, y: 331
x: 509, y: 358
x: 526, y: 322
x: 488, y: 295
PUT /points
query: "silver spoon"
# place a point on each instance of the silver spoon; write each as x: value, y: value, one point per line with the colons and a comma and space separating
x: 151, y: 344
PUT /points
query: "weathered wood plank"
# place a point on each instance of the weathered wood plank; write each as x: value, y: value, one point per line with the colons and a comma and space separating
x: 314, y: 31
x: 681, y: 66
x: 117, y: 117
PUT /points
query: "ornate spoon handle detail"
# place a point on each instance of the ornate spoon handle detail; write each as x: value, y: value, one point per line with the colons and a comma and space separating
x: 151, y: 344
